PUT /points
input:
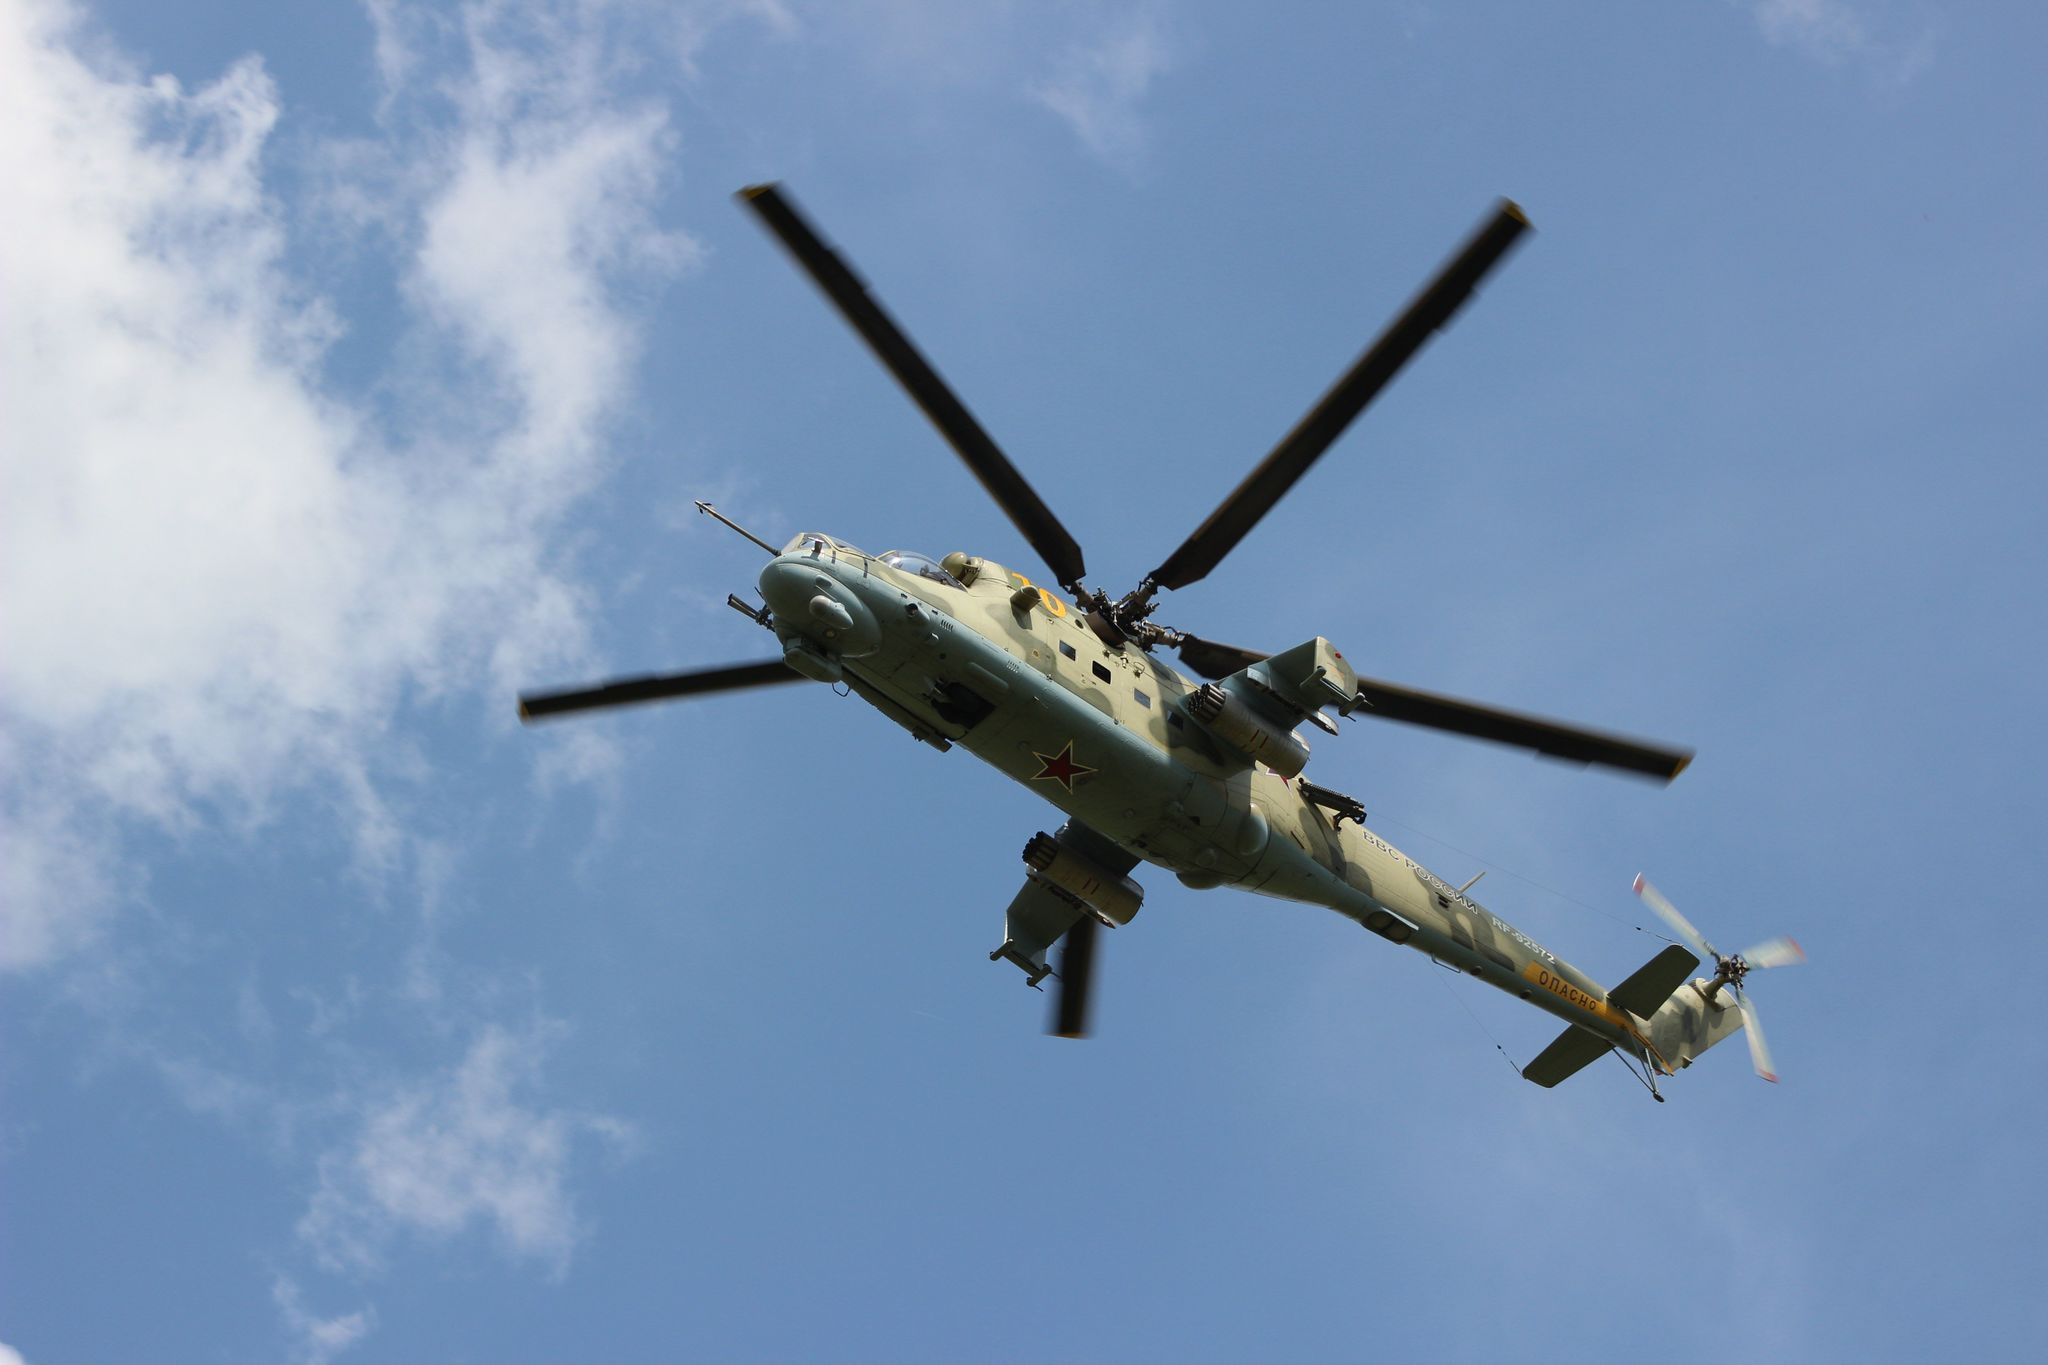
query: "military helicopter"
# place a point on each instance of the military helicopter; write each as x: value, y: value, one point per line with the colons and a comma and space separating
x: 1068, y: 696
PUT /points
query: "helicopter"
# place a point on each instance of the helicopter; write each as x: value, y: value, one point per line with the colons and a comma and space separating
x: 1065, y: 693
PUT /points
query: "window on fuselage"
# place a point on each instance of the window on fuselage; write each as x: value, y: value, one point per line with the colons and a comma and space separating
x: 924, y: 566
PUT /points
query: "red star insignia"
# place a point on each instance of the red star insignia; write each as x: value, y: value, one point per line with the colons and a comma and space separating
x: 1060, y: 767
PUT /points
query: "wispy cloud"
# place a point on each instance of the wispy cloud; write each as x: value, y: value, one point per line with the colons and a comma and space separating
x: 1838, y: 31
x: 1097, y: 86
x: 1825, y: 28
x: 221, y: 573
x: 55, y: 887
x: 317, y: 1340
x: 464, y: 1148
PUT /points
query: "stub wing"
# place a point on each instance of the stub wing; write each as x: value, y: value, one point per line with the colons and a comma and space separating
x: 1074, y: 872
x: 1076, y: 883
x: 1035, y: 921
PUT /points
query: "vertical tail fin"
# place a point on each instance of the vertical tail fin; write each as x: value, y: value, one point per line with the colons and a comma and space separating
x: 1688, y: 1023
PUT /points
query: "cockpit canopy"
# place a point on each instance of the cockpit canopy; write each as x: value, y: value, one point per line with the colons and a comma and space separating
x: 910, y: 561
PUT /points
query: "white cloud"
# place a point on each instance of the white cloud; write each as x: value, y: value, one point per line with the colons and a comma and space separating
x: 221, y: 575
x: 1097, y: 86
x: 317, y: 1340
x: 551, y: 333
x: 465, y: 1148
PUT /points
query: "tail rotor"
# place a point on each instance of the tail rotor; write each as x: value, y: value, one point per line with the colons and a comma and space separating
x: 1730, y: 969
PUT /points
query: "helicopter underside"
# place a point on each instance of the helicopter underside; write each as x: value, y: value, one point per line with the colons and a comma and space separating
x: 1101, y: 734
x: 1065, y: 695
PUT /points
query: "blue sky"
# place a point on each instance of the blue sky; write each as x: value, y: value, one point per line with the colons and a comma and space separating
x: 362, y: 363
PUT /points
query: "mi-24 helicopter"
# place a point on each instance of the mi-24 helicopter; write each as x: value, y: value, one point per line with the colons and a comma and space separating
x: 1067, y: 695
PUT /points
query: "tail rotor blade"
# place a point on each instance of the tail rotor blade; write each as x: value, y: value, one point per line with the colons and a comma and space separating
x: 1775, y: 952
x: 1654, y: 898
x: 1753, y: 1029
x: 1077, y: 971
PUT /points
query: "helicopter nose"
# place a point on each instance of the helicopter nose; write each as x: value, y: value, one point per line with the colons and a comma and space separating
x: 806, y: 599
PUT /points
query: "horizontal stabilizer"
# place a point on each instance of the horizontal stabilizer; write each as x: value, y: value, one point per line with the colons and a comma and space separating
x: 1645, y: 993
x: 1574, y: 1049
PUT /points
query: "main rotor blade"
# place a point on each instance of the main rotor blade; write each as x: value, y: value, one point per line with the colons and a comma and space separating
x: 1654, y: 898
x: 1077, y: 972
x: 1326, y: 421
x: 1391, y: 701
x: 1774, y: 952
x: 1753, y: 1029
x: 1026, y: 510
x: 1212, y: 659
x: 659, y: 687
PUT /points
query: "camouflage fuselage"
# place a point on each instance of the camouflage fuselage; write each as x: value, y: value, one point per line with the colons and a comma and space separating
x: 1016, y: 677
